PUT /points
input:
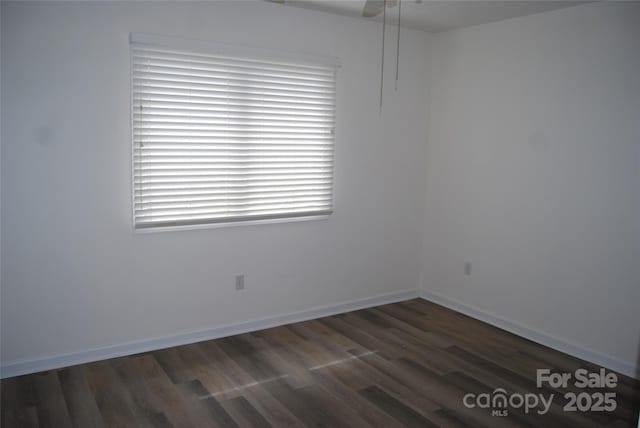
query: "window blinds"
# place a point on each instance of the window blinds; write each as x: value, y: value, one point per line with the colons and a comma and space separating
x: 227, y: 138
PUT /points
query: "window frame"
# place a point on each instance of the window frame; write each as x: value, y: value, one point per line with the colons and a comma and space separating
x: 214, y: 48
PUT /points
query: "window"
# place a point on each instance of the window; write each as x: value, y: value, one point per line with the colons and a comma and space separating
x: 224, y: 134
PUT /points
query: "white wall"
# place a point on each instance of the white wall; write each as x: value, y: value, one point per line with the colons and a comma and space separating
x: 74, y: 276
x: 533, y: 175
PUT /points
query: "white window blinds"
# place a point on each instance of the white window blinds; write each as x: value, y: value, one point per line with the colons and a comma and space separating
x: 229, y: 136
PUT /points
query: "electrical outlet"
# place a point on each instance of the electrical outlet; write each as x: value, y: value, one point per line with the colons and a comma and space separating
x: 467, y: 268
x: 239, y: 282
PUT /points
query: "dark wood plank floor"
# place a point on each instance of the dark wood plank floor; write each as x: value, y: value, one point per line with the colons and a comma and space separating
x: 405, y: 364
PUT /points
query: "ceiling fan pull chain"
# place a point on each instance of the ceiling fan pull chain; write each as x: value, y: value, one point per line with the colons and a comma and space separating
x: 398, y: 46
x: 384, y: 25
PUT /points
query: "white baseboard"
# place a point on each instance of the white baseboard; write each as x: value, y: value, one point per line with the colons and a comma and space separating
x: 607, y: 361
x: 20, y: 367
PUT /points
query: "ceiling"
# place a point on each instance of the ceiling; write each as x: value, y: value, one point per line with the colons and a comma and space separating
x: 440, y: 15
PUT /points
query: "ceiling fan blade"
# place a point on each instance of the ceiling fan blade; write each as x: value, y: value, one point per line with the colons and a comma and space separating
x: 372, y: 8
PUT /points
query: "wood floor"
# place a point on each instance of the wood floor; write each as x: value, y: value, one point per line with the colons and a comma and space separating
x: 404, y: 364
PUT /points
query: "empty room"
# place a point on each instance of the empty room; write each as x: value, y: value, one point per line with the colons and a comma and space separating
x: 320, y: 213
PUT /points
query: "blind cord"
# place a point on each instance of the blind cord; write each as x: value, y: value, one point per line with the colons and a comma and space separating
x: 384, y: 25
x: 398, y: 44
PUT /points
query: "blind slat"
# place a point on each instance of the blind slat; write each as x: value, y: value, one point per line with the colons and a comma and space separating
x: 143, y: 207
x: 213, y: 99
x: 236, y: 209
x: 204, y: 192
x: 222, y: 184
x: 213, y: 111
x: 175, y: 89
x: 292, y: 81
x: 225, y: 194
x: 235, y: 63
x: 229, y: 123
x: 211, y: 117
x: 197, y: 164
